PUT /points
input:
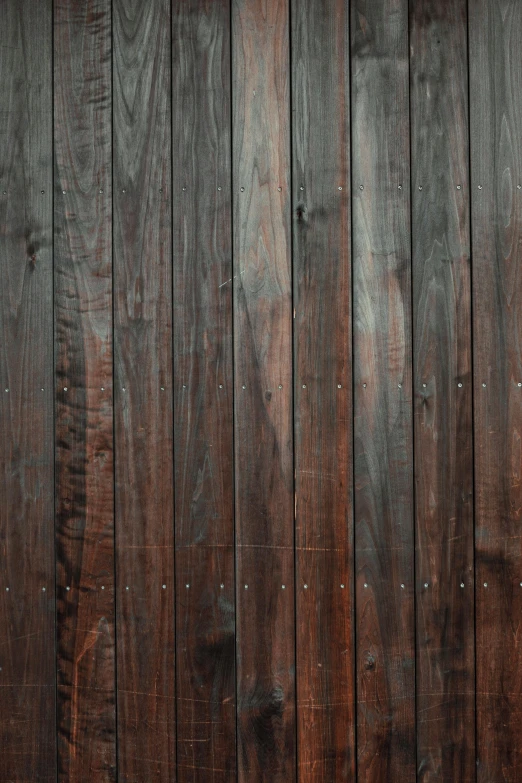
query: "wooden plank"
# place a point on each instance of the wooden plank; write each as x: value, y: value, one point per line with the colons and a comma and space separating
x: 84, y: 419
x: 495, y: 30
x: 143, y: 390
x: 27, y: 666
x: 382, y: 392
x: 205, y: 618
x: 443, y: 391
x: 323, y: 410
x: 263, y: 392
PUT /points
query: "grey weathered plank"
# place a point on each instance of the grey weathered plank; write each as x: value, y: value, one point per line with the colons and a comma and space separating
x: 143, y: 390
x: 495, y: 30
x: 205, y: 621
x: 323, y: 410
x: 84, y: 418
x: 263, y: 391
x: 27, y: 668
x: 443, y: 390
x: 382, y: 392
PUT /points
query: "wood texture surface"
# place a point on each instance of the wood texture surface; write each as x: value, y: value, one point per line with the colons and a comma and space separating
x: 205, y: 616
x: 143, y: 390
x: 382, y: 392
x: 495, y: 30
x: 27, y: 667
x: 442, y: 391
x: 263, y: 392
x: 84, y: 419
x: 260, y: 391
x: 323, y: 410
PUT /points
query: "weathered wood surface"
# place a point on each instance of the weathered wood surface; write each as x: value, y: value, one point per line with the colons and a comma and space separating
x: 84, y: 419
x: 442, y: 391
x: 205, y: 616
x: 143, y: 391
x: 27, y: 628
x: 278, y: 404
x: 323, y: 390
x: 495, y: 30
x: 382, y: 369
x: 263, y: 392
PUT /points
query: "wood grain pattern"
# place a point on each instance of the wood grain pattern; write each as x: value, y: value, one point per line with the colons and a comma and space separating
x: 84, y: 420
x: 263, y: 392
x: 27, y: 668
x: 205, y: 615
x: 496, y: 164
x: 143, y: 390
x: 443, y: 391
x: 323, y: 410
x: 382, y: 392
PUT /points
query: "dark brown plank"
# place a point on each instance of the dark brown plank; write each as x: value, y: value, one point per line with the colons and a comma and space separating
x: 382, y: 392
x: 205, y: 622
x: 143, y: 390
x: 495, y: 30
x: 27, y: 665
x: 263, y: 392
x: 323, y: 410
x: 443, y: 391
x: 84, y: 421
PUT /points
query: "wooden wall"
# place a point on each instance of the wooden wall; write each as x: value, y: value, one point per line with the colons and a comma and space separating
x: 260, y: 391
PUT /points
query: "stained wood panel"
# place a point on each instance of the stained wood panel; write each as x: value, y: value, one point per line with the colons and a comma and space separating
x: 143, y: 390
x: 495, y: 31
x: 323, y: 390
x: 263, y: 392
x: 84, y: 418
x: 443, y: 391
x: 205, y: 616
x: 385, y: 647
x: 27, y: 676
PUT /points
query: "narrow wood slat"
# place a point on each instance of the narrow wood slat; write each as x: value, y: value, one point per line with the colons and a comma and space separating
x: 84, y: 419
x: 443, y: 391
x: 323, y: 410
x: 143, y: 390
x: 205, y: 619
x: 27, y: 665
x: 263, y: 392
x: 382, y: 392
x: 495, y: 30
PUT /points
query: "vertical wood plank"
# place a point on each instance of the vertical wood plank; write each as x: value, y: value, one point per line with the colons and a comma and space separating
x: 205, y: 617
x: 84, y: 419
x: 143, y: 390
x: 27, y: 665
x: 323, y: 410
x: 443, y: 391
x: 382, y: 392
x: 263, y: 392
x: 496, y: 165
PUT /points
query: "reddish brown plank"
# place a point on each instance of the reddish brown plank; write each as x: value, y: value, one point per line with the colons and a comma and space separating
x: 205, y: 622
x: 443, y: 391
x: 495, y: 30
x: 323, y: 390
x: 383, y: 458
x: 84, y: 422
x: 143, y: 390
x: 27, y: 663
x: 263, y: 392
